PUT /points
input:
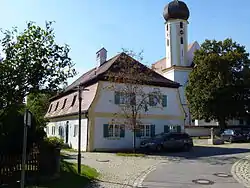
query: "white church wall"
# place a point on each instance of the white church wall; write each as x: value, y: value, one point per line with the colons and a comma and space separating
x: 169, y: 75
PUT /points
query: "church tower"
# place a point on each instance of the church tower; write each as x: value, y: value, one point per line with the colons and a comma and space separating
x: 177, y: 65
x: 176, y: 15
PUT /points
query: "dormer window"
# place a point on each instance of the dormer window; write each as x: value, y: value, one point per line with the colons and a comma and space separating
x: 64, y: 103
x: 50, y: 107
x: 57, y: 104
x: 74, y: 100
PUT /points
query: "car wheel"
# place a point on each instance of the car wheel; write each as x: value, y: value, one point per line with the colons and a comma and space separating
x: 230, y: 140
x: 159, y: 148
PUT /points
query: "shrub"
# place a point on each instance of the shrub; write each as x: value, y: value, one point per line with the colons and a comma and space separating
x: 54, y: 141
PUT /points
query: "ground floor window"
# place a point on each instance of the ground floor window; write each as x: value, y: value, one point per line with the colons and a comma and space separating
x: 61, y: 131
x: 145, y: 131
x: 75, y: 130
x: 113, y: 131
x: 172, y: 128
x: 53, y: 130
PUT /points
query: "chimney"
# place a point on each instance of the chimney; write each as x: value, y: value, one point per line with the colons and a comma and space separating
x: 101, y: 57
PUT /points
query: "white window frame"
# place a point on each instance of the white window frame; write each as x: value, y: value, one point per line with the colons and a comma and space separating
x: 155, y: 100
x: 75, y: 130
x: 53, y: 130
x: 145, y: 131
x: 61, y: 131
x: 114, y: 131
x: 124, y: 98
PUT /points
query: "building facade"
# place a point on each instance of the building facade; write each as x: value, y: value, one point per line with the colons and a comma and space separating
x: 103, y: 124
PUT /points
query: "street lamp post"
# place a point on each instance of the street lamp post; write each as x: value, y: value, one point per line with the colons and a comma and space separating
x: 27, y: 123
x: 80, y: 89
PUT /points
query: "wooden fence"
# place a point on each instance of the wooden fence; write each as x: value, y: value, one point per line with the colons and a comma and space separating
x: 10, y: 167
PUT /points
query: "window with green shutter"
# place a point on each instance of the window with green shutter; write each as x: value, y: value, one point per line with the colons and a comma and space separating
x: 117, y: 97
x: 106, y: 130
x: 178, y: 127
x: 113, y: 131
x: 164, y: 100
x: 166, y: 129
x: 145, y: 131
x: 152, y: 130
x: 122, y: 131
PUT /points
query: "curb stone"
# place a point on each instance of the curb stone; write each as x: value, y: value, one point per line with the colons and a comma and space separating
x: 241, y: 171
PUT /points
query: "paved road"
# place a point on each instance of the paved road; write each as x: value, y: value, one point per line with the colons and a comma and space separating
x: 202, y: 163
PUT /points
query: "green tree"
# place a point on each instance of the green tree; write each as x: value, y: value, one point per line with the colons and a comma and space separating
x: 32, y: 61
x: 11, y: 130
x: 38, y: 104
x: 218, y: 86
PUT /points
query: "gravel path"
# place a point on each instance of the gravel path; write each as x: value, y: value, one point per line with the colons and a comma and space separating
x: 117, y: 171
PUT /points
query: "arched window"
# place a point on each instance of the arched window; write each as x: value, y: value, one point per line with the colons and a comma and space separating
x: 167, y: 27
x: 181, y: 24
x: 167, y: 42
x: 181, y: 40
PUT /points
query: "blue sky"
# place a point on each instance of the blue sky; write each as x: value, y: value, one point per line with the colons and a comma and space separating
x: 88, y: 25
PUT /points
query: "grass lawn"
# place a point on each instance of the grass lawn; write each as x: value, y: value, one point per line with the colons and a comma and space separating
x: 131, y: 154
x: 69, y: 177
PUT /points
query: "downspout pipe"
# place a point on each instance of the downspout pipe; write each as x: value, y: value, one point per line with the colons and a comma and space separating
x: 182, y: 106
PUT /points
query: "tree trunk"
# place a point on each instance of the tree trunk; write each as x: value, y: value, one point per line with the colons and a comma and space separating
x: 134, y: 141
x: 222, y: 123
x: 134, y: 134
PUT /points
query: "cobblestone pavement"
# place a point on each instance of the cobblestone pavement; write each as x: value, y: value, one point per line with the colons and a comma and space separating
x: 129, y: 172
x: 241, y: 171
x: 117, y: 171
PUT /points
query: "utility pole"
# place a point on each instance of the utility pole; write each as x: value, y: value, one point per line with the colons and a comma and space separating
x: 80, y: 89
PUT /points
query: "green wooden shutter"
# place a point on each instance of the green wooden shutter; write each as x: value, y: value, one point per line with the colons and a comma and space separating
x: 164, y: 100
x: 166, y: 129
x: 117, y: 97
x: 178, y: 129
x: 152, y: 130
x: 122, y: 131
x: 106, y: 130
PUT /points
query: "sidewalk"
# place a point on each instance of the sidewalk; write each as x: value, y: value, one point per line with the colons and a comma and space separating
x: 241, y: 171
